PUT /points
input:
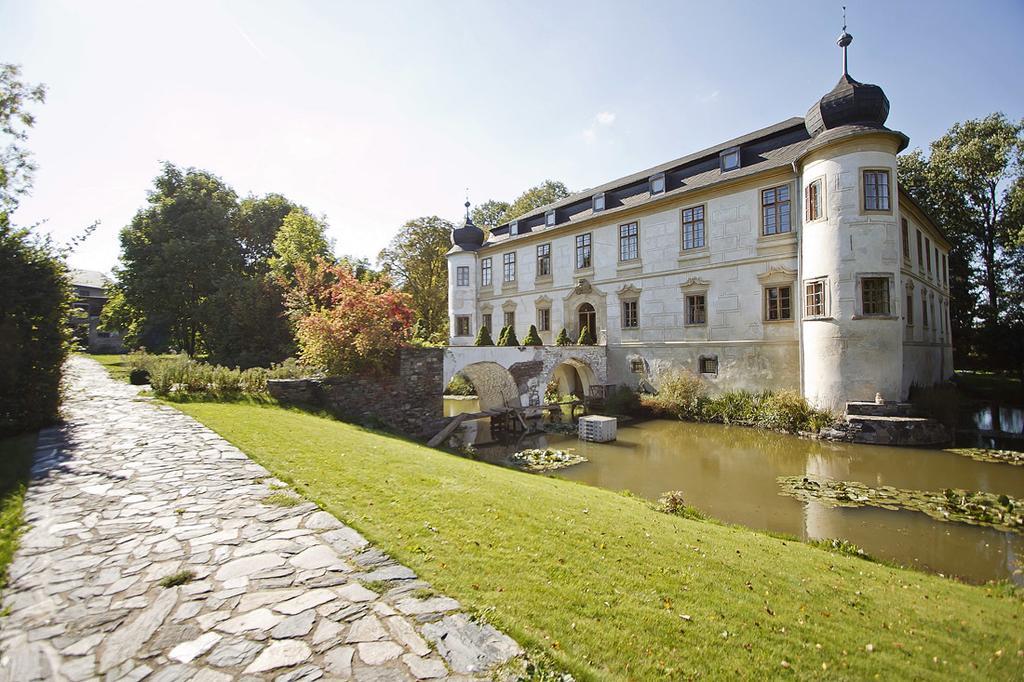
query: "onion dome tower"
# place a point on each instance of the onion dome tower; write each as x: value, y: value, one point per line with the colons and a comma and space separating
x: 850, y: 245
x: 463, y: 270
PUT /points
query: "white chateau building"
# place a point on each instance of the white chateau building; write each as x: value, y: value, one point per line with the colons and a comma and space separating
x: 786, y: 258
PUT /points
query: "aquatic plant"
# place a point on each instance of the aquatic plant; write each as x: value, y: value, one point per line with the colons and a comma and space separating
x: 547, y: 459
x: 987, y: 455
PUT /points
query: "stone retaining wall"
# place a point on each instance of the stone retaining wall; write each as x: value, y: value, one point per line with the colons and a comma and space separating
x: 407, y: 399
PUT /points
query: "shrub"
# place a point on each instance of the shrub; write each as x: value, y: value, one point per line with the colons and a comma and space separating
x: 509, y: 338
x: 622, y: 400
x: 460, y: 385
x: 532, y: 337
x: 34, y: 333
x: 682, y: 394
x: 586, y: 338
x: 672, y: 502
x: 502, y: 335
x: 563, y: 338
x: 138, y: 377
x: 483, y: 337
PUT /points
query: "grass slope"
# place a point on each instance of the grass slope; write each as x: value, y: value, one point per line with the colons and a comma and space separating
x: 15, y: 464
x: 612, y: 589
x: 116, y: 365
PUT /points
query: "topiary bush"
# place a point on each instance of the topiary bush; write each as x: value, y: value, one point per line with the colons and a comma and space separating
x: 563, y: 338
x: 483, y: 337
x: 586, y: 338
x: 510, y: 338
x: 532, y: 337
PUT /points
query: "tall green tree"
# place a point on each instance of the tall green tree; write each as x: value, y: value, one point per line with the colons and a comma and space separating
x: 302, y: 239
x: 177, y: 250
x: 543, y: 194
x: 972, y: 182
x: 415, y: 259
x: 16, y: 164
x: 259, y: 220
x: 490, y: 214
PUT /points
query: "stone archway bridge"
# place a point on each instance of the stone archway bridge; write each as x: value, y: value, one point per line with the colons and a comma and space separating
x: 517, y: 376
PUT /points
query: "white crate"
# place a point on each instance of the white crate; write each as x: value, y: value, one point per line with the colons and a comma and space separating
x: 598, y: 429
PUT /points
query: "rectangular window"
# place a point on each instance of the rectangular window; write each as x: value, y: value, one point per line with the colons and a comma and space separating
x: 583, y: 251
x: 544, y: 319
x: 815, y: 301
x: 945, y: 272
x: 510, y: 318
x: 513, y: 227
x: 936, y: 263
x: 778, y: 303
x: 924, y: 310
x: 874, y: 293
x: 693, y: 227
x: 549, y: 218
x: 462, y: 325
x: 709, y: 365
x: 508, y: 267
x: 905, y: 234
x: 876, y: 190
x: 730, y: 159
x: 630, y: 316
x: 813, y: 201
x: 636, y: 366
x: 775, y: 210
x: 629, y: 241
x: 920, y: 250
x: 658, y: 183
x: 696, y: 309
x: 910, y: 310
x: 487, y: 321
x: 485, y: 272
x: 462, y: 276
x: 544, y: 260
x: 598, y: 202
x: 928, y: 254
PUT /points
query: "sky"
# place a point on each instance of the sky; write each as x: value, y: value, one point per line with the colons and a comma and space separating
x: 374, y: 113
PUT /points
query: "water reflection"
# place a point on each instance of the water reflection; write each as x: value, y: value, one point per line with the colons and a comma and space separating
x: 730, y: 473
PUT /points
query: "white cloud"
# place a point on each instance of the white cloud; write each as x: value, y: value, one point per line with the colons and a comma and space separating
x: 603, y: 119
x: 708, y: 98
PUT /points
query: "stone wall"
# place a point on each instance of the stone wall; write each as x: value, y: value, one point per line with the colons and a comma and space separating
x: 407, y: 399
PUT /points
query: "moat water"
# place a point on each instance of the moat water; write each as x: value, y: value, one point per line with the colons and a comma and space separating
x: 730, y: 474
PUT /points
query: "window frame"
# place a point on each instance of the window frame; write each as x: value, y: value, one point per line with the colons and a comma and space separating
x: 693, y: 222
x: 634, y: 238
x: 725, y: 154
x: 461, y: 320
x: 905, y: 238
x: 776, y: 206
x: 909, y: 316
x: 920, y: 251
x: 824, y: 304
x: 818, y: 187
x: 628, y: 316
x: 767, y: 303
x: 486, y: 272
x: 544, y: 259
x: 462, y: 275
x: 487, y: 321
x: 550, y: 218
x: 712, y: 360
x: 928, y: 255
x: 598, y: 198
x: 657, y: 177
x: 513, y: 228
x: 862, y: 302
x: 509, y: 318
x: 544, y: 319
x: 585, y: 247
x: 689, y: 308
x: 864, y: 190
x: 508, y: 265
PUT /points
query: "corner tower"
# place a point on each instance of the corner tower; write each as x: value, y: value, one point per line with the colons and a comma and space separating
x: 851, y: 330
x: 462, y: 282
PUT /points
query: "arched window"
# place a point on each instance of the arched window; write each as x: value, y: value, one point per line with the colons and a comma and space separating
x: 588, y: 318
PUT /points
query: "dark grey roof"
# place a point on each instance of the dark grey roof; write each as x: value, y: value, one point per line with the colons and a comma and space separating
x: 773, y: 147
x: 849, y: 102
x: 88, y: 278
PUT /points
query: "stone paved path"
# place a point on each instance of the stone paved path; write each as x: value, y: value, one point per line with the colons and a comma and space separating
x: 129, y: 492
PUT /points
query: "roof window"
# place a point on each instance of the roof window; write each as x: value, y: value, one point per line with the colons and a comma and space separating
x: 599, y: 202
x: 658, y: 183
x: 730, y: 159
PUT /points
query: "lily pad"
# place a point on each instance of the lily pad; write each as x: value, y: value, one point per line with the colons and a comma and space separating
x: 547, y: 459
x: 987, y: 455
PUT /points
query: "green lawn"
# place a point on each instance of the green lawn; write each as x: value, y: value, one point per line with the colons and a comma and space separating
x: 116, y: 365
x: 612, y: 589
x: 15, y: 463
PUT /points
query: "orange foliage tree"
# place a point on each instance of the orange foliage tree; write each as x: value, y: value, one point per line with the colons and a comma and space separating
x: 345, y: 325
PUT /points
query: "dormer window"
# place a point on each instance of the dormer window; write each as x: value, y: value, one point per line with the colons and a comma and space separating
x: 549, y: 218
x: 513, y: 228
x: 599, y: 202
x: 730, y: 159
x: 658, y: 183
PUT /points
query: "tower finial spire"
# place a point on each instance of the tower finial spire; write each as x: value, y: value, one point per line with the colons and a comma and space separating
x: 467, y: 204
x: 844, y: 42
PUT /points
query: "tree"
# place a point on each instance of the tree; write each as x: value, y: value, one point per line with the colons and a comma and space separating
x: 177, y: 250
x: 483, y: 337
x: 509, y: 338
x: 356, y: 326
x: 416, y: 261
x: 563, y: 338
x: 16, y: 165
x: 543, y: 194
x: 259, y: 220
x: 972, y: 183
x: 532, y: 337
x: 586, y: 339
x: 246, y: 324
x: 490, y: 214
x: 301, y: 239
